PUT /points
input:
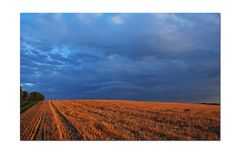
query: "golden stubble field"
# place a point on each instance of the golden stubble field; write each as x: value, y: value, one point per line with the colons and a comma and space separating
x: 119, y: 120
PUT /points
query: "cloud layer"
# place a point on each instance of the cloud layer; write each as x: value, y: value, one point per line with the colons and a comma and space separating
x: 153, y: 57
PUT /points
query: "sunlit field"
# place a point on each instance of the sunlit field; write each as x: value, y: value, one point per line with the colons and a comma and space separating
x: 120, y: 120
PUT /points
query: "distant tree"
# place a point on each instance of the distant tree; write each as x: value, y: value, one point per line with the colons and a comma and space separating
x: 25, y: 96
x: 21, y: 94
x: 35, y: 96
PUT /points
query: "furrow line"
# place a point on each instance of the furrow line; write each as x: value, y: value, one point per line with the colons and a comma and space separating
x: 73, y: 131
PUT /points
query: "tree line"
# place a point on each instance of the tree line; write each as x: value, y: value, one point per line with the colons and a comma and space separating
x: 30, y: 97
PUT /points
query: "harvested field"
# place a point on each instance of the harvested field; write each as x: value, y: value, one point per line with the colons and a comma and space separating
x: 119, y: 120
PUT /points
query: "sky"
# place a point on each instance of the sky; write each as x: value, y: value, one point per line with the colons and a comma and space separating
x: 141, y: 56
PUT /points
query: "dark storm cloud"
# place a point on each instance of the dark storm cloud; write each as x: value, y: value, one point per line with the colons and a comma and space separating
x: 154, y: 57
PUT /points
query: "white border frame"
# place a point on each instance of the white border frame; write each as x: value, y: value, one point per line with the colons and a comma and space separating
x: 10, y: 76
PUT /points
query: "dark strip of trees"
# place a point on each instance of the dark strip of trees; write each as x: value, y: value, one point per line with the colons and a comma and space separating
x: 33, y: 96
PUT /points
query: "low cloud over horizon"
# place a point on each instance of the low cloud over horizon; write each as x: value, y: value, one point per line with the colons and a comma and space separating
x: 148, y: 57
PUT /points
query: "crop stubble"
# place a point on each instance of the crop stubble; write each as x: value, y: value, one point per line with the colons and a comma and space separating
x: 119, y: 120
